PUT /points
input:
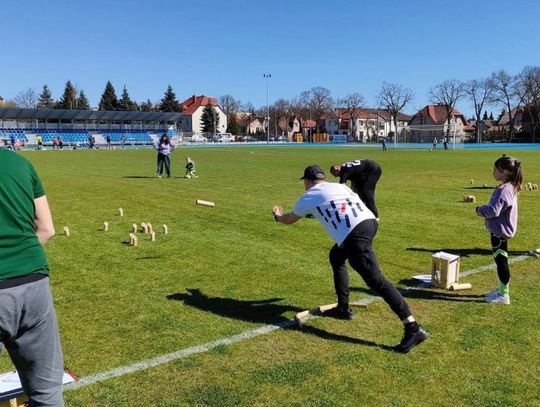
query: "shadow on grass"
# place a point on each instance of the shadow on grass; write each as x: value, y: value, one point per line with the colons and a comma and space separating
x: 148, y: 177
x: 482, y: 187
x: 321, y: 333
x: 259, y: 311
x: 427, y: 293
x: 465, y: 252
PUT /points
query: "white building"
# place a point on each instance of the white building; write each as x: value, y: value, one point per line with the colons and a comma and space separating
x: 192, y: 110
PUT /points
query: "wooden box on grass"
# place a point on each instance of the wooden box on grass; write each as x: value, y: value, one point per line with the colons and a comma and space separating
x: 444, y: 269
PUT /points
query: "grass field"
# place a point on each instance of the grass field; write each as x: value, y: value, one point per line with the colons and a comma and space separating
x: 225, y: 270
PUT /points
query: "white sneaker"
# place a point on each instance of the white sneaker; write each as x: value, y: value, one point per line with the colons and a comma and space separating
x: 499, y: 299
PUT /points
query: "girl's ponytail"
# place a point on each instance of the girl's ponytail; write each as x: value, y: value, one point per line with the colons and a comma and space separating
x: 513, y: 166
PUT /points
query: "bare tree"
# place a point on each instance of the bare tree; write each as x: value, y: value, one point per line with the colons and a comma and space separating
x: 27, y: 98
x: 479, y: 92
x: 447, y: 94
x: 352, y: 104
x: 281, y: 108
x: 394, y: 97
x: 229, y: 104
x: 505, y: 93
x: 319, y: 101
x: 528, y: 90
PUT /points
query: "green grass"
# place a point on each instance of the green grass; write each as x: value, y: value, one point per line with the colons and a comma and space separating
x: 232, y: 268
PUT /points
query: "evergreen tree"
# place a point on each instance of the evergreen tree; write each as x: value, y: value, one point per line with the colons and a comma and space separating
x: 485, y: 117
x: 209, y: 119
x: 125, y: 102
x: 232, y: 124
x: 147, y: 106
x: 82, y: 101
x: 69, y: 98
x: 169, y: 102
x: 108, y: 101
x: 503, y: 112
x: 45, y: 100
x: 491, y: 116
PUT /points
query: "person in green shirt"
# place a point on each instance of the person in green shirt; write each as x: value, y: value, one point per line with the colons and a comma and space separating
x: 28, y: 326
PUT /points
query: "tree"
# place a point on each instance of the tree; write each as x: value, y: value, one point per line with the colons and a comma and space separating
x: 209, y: 119
x: 479, y: 92
x: 108, y: 101
x: 232, y: 124
x: 125, y: 102
x: 26, y: 98
x: 69, y: 98
x: 491, y: 116
x: 319, y: 101
x: 447, y: 94
x: 82, y: 101
x: 147, y: 106
x: 45, y: 100
x: 169, y: 102
x: 505, y: 93
x: 352, y: 104
x: 485, y: 116
x: 528, y: 90
x: 394, y: 98
x: 229, y: 104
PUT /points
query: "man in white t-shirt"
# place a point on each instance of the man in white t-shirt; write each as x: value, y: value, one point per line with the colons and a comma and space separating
x: 352, y: 226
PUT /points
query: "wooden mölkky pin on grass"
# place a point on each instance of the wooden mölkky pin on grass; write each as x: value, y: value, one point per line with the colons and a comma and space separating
x: 66, y: 231
x: 120, y: 212
x: 150, y: 228
x: 134, y: 228
x: 105, y: 226
x: 165, y: 229
x: 205, y: 203
x: 153, y: 236
x: 133, y: 239
x: 144, y: 227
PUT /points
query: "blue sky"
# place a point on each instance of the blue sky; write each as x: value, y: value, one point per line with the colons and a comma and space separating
x: 224, y: 47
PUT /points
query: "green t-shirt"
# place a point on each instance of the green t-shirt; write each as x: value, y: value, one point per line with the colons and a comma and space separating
x: 20, y: 250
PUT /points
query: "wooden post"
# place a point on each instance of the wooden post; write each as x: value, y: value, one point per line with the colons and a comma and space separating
x: 205, y: 203
x: 105, y: 226
x: 120, y: 211
x: 165, y: 229
x: 66, y: 231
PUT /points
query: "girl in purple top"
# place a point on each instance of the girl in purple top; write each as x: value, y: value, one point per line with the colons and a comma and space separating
x: 501, y: 215
x: 164, y: 148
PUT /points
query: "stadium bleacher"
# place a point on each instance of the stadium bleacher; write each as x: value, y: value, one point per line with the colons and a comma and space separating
x: 68, y: 136
x: 132, y: 136
x: 6, y: 134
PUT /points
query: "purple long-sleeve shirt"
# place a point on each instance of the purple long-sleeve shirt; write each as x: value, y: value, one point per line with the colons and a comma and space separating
x: 164, y: 148
x: 501, y: 213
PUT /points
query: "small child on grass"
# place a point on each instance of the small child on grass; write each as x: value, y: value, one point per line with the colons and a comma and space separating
x: 190, y: 168
x: 501, y: 216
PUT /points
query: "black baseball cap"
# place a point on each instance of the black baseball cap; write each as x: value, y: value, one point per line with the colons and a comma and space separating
x: 313, y: 173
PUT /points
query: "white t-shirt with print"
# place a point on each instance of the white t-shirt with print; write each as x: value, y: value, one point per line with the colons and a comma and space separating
x: 336, y: 207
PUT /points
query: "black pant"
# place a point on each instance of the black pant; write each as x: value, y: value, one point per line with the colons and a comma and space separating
x: 365, y: 188
x: 357, y: 249
x: 499, y: 246
x: 163, y: 159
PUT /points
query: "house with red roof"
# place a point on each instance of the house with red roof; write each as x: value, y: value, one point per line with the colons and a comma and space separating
x: 192, y: 109
x: 368, y: 124
x: 431, y: 123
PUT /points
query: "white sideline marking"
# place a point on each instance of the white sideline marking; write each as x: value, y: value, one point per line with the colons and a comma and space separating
x: 251, y: 333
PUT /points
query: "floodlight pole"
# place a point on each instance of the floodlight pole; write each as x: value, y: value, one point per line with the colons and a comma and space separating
x: 267, y: 76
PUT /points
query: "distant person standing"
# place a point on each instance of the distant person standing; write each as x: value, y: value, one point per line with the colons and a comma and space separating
x: 352, y: 226
x: 108, y: 139
x: 383, y: 141
x: 164, y: 147
x: 445, y: 143
x: 364, y: 175
x: 13, y: 141
x: 28, y: 325
x: 435, y: 143
x: 39, y: 141
x: 123, y: 140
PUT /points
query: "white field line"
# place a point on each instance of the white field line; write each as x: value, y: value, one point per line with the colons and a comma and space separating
x: 251, y: 333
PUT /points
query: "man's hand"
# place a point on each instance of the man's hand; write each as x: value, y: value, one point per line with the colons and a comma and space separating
x: 277, y: 211
x: 287, y: 219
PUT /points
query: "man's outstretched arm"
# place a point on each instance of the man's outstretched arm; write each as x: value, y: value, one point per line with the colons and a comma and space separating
x: 286, y: 218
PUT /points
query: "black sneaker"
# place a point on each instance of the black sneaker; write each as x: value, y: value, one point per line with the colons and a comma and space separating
x: 411, y: 338
x: 339, y: 313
